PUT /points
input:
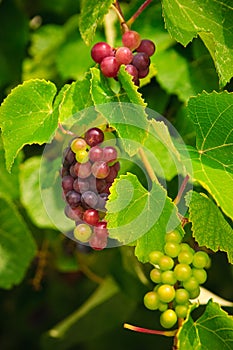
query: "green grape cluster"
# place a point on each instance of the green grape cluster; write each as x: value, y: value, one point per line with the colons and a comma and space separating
x: 178, y: 273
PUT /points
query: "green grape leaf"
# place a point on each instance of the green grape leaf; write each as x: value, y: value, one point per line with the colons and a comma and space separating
x: 212, y: 161
x: 212, y: 21
x: 30, y: 192
x: 136, y: 215
x: 125, y: 110
x: 213, y: 330
x: 17, y: 247
x: 209, y: 227
x: 26, y: 117
x: 107, y: 302
x: 92, y: 13
x: 73, y: 98
x: 9, y: 183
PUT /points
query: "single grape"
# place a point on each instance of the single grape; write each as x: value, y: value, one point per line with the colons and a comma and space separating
x: 91, y: 217
x: 200, y: 275
x: 72, y: 171
x: 81, y: 185
x: 185, y: 247
x: 181, y: 311
x: 73, y: 198
x: 67, y: 183
x: 78, y: 144
x: 143, y: 73
x: 168, y: 277
x: 132, y: 70
x: 112, y: 174
x: 185, y: 257
x: 141, y: 61
x: 155, y: 256
x: 172, y: 249
x: 193, y: 294
x: 163, y: 306
x: 191, y: 284
x: 155, y: 275
x: 182, y: 296
x: 173, y: 236
x: 200, y: 259
x: 68, y: 157
x: 124, y: 55
x: 166, y: 263
x: 146, y: 46
x: 151, y: 300
x: 84, y: 170
x: 100, y: 169
x: 109, y: 67
x: 109, y: 154
x: 131, y: 39
x: 101, y: 50
x: 81, y: 156
x: 182, y: 272
x: 95, y: 154
x: 168, y: 318
x: 83, y: 232
x: 94, y: 136
x: 97, y: 243
x: 89, y: 199
x: 100, y: 230
x: 166, y: 293
x: 75, y: 214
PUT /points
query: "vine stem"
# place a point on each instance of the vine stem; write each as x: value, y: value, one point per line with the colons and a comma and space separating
x: 181, y: 190
x: 150, y: 331
x: 148, y: 167
x: 138, y: 12
x: 116, y: 7
x: 64, y: 131
x: 42, y: 256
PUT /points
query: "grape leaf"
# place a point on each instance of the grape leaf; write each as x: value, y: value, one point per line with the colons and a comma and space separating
x: 124, y: 110
x: 92, y: 13
x: 26, y: 117
x: 212, y: 161
x: 134, y: 214
x: 213, y: 330
x: 218, y: 234
x: 30, y: 192
x: 17, y: 247
x: 212, y: 21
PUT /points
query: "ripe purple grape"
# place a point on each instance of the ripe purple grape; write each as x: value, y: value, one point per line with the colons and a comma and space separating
x: 100, y: 230
x: 124, y: 55
x: 68, y: 157
x: 109, y: 154
x: 67, y: 183
x: 131, y: 39
x: 75, y: 214
x: 95, y: 154
x: 94, y: 136
x: 143, y: 73
x: 91, y: 216
x: 73, y: 198
x: 97, y: 243
x: 101, y: 50
x: 141, y: 61
x: 81, y: 185
x: 112, y: 174
x: 132, y: 70
x: 84, y: 170
x: 100, y: 169
x: 109, y: 67
x: 146, y: 46
x: 89, y: 199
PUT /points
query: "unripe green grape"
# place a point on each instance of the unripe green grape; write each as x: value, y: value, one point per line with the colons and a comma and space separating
x: 81, y: 156
x: 181, y: 311
x: 200, y: 260
x: 185, y: 257
x: 182, y: 272
x: 166, y: 263
x: 78, y: 144
x: 194, y: 293
x: 168, y: 277
x: 163, y: 306
x: 182, y: 296
x: 155, y: 256
x: 200, y: 275
x: 173, y: 236
x: 155, y: 275
x: 168, y: 318
x: 185, y: 247
x: 191, y: 284
x: 83, y: 232
x: 166, y: 293
x: 151, y: 300
x: 172, y: 249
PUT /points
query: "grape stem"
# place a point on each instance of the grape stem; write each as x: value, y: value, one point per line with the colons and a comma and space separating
x: 138, y: 12
x: 148, y: 167
x: 181, y: 190
x: 42, y: 256
x: 64, y: 131
x: 116, y: 7
x: 150, y: 331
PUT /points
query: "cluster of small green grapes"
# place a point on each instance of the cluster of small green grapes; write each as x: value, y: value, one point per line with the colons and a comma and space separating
x: 178, y: 272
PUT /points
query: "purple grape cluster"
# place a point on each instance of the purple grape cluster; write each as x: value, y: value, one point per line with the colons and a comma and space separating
x: 88, y: 171
x: 134, y: 54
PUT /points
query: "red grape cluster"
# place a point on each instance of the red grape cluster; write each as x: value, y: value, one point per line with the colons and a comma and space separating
x: 134, y: 54
x: 89, y: 169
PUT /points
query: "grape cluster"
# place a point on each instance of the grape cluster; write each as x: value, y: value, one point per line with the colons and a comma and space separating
x: 134, y: 54
x: 178, y: 271
x: 88, y: 171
